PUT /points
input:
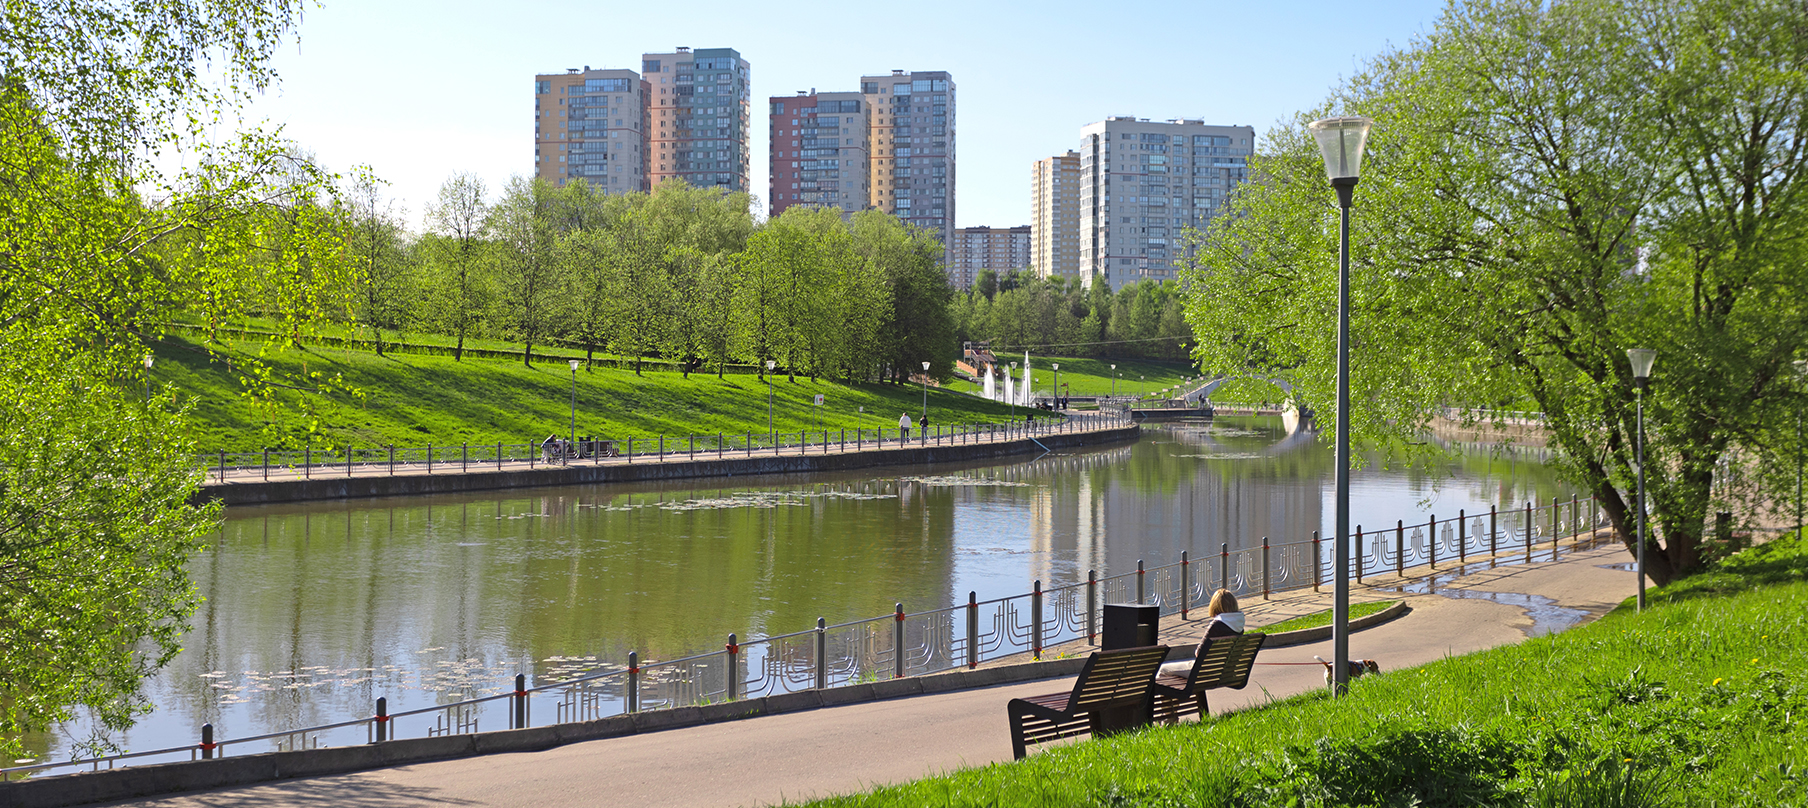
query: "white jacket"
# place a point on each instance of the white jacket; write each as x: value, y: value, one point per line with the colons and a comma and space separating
x: 904, y: 421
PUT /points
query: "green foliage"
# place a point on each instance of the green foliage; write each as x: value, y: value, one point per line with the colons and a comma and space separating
x: 1518, y: 227
x: 1022, y: 311
x: 1323, y: 618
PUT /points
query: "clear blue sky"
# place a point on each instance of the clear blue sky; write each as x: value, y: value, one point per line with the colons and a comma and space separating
x: 419, y: 90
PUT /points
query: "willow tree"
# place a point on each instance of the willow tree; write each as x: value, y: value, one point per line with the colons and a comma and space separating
x: 97, y: 251
x: 1547, y: 186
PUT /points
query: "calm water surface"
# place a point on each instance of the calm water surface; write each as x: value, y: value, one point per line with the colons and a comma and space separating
x: 312, y: 611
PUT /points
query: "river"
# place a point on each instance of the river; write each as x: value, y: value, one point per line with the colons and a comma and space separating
x: 314, y: 610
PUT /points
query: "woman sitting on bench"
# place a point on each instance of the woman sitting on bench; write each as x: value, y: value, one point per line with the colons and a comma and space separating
x: 1224, y: 620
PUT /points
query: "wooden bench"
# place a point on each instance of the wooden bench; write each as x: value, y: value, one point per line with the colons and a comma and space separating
x: 1111, y: 695
x: 1223, y: 662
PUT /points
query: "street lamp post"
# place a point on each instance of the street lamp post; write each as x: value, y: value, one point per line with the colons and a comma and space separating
x: 1010, y: 394
x: 1114, y: 381
x: 1341, y: 140
x: 925, y: 389
x: 771, y: 435
x: 148, y: 359
x: 1057, y: 367
x: 1641, y: 359
x: 574, y: 407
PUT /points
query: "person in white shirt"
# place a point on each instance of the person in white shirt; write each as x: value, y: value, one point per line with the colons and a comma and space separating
x: 904, y: 427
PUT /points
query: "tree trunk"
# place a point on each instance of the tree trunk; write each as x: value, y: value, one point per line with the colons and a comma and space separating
x: 527, y: 355
x: 458, y: 353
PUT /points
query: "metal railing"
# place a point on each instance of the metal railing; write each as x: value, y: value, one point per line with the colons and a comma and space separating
x: 903, y: 643
x: 306, y: 464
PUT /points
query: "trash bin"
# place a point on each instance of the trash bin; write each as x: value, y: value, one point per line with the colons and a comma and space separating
x: 1129, y: 625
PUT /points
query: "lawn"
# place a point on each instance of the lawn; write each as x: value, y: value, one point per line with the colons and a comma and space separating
x: 1316, y: 619
x: 1086, y: 376
x: 413, y: 400
x: 1701, y: 700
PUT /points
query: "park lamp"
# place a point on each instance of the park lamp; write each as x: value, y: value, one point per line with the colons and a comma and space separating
x: 1641, y: 365
x: 574, y: 364
x: 925, y: 367
x: 1342, y: 140
x: 148, y: 359
x: 770, y: 364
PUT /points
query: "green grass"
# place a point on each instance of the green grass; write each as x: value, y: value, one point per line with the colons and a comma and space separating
x: 413, y: 400
x: 1316, y: 619
x: 1086, y: 376
x: 1701, y: 700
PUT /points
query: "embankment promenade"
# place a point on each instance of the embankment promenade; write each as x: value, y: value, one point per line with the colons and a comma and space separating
x: 247, y: 483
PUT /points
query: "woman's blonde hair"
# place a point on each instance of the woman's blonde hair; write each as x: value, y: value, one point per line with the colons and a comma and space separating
x: 1222, y: 601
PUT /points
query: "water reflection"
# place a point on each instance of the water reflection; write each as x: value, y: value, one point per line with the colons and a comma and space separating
x: 312, y: 611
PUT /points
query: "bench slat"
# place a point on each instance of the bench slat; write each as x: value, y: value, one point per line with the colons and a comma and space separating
x: 1110, y: 694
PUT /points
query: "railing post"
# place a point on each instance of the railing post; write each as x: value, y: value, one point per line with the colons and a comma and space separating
x: 1400, y: 547
x: 630, y: 451
x: 464, y: 456
x: 734, y: 668
x: 822, y: 653
x: 267, y: 464
x: 1224, y: 565
x: 1141, y: 590
x: 1358, y: 549
x: 718, y: 446
x: 897, y: 641
x: 749, y: 444
x: 1462, y: 538
x: 382, y: 719
x: 1092, y: 605
x: 1432, y: 542
x: 662, y: 448
x: 1575, y: 523
x: 1186, y: 592
x: 972, y: 629
x: 1318, y: 562
x: 1265, y: 568
x: 207, y: 744
x: 518, y: 715
x: 1528, y: 531
x: 1036, y: 621
x: 1493, y: 531
x: 348, y: 460
x: 633, y: 681
x: 498, y: 457
x: 429, y: 458
x: 307, y: 463
x: 1554, y: 506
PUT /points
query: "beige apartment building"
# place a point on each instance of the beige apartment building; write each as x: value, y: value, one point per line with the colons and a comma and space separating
x: 911, y: 142
x: 698, y: 124
x: 592, y: 124
x: 819, y: 151
x: 978, y: 248
x: 1143, y: 183
x: 1055, y: 216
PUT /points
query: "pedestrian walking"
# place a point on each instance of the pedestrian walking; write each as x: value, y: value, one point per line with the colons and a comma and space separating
x: 904, y: 427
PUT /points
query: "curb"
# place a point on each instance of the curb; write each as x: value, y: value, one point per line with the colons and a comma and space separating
x: 1306, y: 635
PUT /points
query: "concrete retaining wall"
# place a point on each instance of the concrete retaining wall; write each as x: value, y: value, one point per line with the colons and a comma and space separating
x: 234, y: 493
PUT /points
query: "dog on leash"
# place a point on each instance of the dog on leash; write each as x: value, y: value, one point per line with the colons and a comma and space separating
x: 1358, y: 667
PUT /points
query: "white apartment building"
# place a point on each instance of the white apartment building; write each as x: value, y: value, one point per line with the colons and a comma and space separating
x: 1142, y: 182
x: 1055, y: 216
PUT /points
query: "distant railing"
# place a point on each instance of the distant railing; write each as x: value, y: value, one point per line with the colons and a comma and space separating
x: 305, y: 464
x: 903, y: 643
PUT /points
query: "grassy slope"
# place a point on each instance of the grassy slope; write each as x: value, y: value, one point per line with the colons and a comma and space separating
x: 1316, y: 619
x: 1701, y: 701
x: 414, y: 400
x: 1086, y: 376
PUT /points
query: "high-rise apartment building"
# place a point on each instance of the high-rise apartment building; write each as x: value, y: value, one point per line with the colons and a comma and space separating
x: 592, y: 124
x: 699, y: 117
x: 1055, y: 216
x: 975, y: 248
x: 819, y: 151
x: 1142, y: 182
x: 912, y: 140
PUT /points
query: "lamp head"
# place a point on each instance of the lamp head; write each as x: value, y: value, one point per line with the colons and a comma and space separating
x: 1801, y: 368
x: 1057, y: 366
x: 574, y: 364
x: 1341, y: 141
x: 1114, y: 367
x: 148, y: 359
x: 770, y: 364
x: 1641, y: 359
x: 925, y: 365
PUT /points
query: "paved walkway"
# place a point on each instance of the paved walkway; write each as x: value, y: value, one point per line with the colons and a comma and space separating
x: 837, y: 750
x: 253, y: 468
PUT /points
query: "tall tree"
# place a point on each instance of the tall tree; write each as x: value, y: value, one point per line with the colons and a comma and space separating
x: 528, y: 273
x: 1547, y: 186
x: 374, y: 236
x: 455, y: 253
